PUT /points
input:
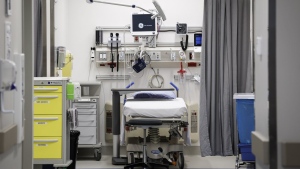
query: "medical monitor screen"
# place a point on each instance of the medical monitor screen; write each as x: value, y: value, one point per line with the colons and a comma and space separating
x: 197, y: 39
x: 143, y: 25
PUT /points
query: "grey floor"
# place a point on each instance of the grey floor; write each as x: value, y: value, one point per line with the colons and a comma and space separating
x: 191, y: 162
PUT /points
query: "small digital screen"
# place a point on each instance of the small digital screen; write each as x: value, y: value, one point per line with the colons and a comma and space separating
x: 197, y: 39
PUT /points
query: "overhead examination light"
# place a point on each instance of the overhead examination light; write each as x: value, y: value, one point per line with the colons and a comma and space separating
x: 160, y: 12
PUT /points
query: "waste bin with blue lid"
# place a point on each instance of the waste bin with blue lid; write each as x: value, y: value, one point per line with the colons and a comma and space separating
x: 245, y: 116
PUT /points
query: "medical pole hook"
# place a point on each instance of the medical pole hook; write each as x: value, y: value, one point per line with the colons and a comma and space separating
x: 111, y: 51
x: 117, y: 38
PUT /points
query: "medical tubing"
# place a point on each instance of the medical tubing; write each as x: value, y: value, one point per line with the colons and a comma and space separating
x: 117, y: 35
x: 177, y: 89
x: 186, y: 43
x: 128, y: 86
x: 150, y: 83
x: 111, y: 51
x: 124, y: 55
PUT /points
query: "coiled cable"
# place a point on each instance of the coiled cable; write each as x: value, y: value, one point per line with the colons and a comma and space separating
x: 157, y: 77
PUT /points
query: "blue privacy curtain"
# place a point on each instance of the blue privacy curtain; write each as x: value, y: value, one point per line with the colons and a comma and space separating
x: 225, y: 70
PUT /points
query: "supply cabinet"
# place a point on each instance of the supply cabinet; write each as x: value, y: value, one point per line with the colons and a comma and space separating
x: 88, y: 108
x: 51, y: 128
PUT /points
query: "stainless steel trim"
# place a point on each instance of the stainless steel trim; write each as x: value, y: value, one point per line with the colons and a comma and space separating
x: 86, y: 112
x: 86, y: 120
x: 87, y: 136
x: 116, y: 146
x: 112, y: 77
x: 83, y: 106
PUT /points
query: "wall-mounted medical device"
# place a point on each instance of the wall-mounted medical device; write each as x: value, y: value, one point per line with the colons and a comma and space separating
x: 197, y: 42
x: 99, y: 36
x: 60, y: 59
x: 8, y: 74
x: 92, y: 53
x: 143, y: 25
x: 181, y: 28
x: 114, y: 42
x: 60, y: 56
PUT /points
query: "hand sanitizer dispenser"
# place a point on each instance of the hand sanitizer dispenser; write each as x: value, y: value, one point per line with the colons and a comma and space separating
x: 8, y: 74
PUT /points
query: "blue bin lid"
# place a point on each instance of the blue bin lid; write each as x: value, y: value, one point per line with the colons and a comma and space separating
x: 243, y: 96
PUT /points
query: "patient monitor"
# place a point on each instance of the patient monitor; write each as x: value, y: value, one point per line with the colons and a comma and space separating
x: 143, y: 25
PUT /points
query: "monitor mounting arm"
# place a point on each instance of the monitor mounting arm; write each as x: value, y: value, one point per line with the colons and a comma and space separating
x: 159, y: 13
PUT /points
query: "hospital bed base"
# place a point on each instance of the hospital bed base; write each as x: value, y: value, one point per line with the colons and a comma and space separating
x: 152, y: 149
x: 170, y: 150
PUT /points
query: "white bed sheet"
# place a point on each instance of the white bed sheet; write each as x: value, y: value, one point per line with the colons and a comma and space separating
x: 159, y: 108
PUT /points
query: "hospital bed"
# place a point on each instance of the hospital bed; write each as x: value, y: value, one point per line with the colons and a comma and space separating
x: 169, y: 113
x: 116, y: 121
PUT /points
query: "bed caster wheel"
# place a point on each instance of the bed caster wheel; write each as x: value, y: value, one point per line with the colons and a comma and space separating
x: 237, y: 165
x: 97, y: 155
x: 180, y: 160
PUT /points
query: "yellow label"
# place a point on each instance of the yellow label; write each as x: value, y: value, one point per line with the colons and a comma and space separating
x: 42, y: 145
x: 41, y: 123
x: 42, y: 102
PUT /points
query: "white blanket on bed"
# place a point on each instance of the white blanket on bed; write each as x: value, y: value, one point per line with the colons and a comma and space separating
x: 158, y: 108
x: 155, y: 108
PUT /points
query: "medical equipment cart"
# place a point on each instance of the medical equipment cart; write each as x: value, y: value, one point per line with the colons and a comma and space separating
x: 88, y: 108
x: 51, y: 128
x: 245, y: 125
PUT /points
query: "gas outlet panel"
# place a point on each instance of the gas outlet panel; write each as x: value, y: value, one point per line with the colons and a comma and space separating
x: 155, y: 55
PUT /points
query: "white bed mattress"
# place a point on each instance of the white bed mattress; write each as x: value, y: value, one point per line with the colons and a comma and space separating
x: 161, y: 108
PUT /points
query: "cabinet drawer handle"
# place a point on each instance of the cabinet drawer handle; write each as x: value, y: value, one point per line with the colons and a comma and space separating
x: 87, y: 136
x: 46, y: 141
x: 45, y: 118
x: 47, y: 97
x: 45, y: 89
x: 86, y: 120
x: 80, y: 106
x: 86, y: 111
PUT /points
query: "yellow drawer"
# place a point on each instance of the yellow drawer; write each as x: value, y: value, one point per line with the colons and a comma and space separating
x: 48, y: 103
x: 47, y: 148
x: 47, y: 125
x: 47, y: 89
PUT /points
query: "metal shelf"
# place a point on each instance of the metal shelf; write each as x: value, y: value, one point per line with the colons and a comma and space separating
x: 154, y: 64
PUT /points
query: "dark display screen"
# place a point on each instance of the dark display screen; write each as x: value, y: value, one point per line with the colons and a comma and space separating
x: 197, y: 39
x: 143, y: 23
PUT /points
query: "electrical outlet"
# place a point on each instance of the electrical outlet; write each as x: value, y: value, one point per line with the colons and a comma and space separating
x: 173, y: 56
x: 121, y: 56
